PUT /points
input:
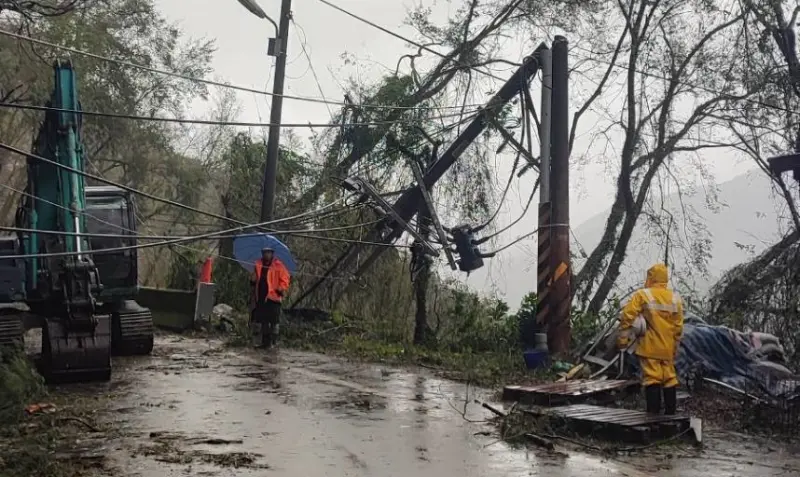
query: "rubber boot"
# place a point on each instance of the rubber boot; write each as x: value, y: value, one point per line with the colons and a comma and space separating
x: 266, y: 335
x: 275, y: 334
x: 670, y: 401
x: 652, y: 396
x: 255, y: 334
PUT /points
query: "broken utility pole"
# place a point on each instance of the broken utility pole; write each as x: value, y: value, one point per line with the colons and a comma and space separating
x: 408, y: 204
x: 560, y: 294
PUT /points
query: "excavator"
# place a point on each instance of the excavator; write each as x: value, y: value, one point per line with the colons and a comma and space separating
x: 55, y: 275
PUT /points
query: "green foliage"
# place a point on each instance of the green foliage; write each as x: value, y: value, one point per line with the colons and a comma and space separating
x: 19, y: 384
x: 183, y: 270
x: 526, y: 319
x: 586, y: 325
x: 233, y: 285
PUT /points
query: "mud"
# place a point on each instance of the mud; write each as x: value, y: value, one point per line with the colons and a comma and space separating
x: 197, y: 408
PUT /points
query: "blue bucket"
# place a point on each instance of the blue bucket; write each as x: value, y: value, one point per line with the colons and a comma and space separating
x: 536, y: 359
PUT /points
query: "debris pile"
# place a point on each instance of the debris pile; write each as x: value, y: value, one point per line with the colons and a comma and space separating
x: 714, y: 354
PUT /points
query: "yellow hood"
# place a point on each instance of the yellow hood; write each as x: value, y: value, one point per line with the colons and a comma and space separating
x: 657, y: 276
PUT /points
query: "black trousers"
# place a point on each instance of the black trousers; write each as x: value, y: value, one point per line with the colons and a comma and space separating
x: 268, y: 315
x: 653, y: 394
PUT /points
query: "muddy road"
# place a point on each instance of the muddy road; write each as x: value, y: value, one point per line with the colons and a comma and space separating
x: 197, y: 408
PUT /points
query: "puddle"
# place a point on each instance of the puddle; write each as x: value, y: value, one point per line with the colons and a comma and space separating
x: 291, y: 413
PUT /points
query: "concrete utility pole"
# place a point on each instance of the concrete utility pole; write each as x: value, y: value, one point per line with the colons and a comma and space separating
x: 279, y: 49
x: 544, y: 244
x: 560, y: 299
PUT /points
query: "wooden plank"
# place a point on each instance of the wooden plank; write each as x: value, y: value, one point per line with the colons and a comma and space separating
x: 571, y: 388
x: 616, y: 423
x: 625, y: 417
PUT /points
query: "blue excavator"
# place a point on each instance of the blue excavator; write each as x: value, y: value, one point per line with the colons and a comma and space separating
x: 84, y: 302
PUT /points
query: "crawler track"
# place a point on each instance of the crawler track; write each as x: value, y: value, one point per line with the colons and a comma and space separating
x: 132, y: 330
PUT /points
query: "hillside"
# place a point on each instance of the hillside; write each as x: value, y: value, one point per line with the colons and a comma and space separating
x: 743, y: 225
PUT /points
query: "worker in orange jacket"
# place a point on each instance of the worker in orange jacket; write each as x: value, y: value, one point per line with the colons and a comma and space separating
x: 657, y: 338
x: 270, y: 281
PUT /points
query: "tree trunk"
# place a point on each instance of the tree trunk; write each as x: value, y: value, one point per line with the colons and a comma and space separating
x: 421, y: 328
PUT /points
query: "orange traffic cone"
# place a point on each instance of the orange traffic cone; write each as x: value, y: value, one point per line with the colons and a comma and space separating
x: 205, y: 274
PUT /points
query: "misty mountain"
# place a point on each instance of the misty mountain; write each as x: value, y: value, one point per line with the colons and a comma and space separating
x: 740, y: 223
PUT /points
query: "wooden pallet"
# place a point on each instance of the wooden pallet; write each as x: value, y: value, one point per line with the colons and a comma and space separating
x: 617, y: 424
x: 552, y: 394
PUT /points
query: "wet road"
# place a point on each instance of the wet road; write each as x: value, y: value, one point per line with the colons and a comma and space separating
x: 196, y: 408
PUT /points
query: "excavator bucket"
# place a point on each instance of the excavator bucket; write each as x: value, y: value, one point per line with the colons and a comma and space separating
x: 77, y: 355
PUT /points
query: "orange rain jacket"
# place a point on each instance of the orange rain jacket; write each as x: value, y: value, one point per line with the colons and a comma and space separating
x: 277, y: 280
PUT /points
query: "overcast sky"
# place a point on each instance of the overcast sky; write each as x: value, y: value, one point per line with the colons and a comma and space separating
x: 329, y: 36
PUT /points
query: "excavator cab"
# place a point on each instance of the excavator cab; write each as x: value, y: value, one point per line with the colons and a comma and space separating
x: 110, y: 217
x: 110, y: 211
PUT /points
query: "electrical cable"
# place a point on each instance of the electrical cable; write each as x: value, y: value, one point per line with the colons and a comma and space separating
x: 135, y: 247
x: 525, y: 132
x: 415, y: 43
x: 521, y: 238
x: 211, y: 122
x: 151, y: 196
x: 210, y: 82
x: 690, y: 85
x: 174, y: 237
x: 120, y: 227
x: 518, y: 219
x: 303, y: 42
x: 194, y: 238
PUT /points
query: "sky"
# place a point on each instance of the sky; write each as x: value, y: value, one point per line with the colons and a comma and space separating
x: 332, y: 41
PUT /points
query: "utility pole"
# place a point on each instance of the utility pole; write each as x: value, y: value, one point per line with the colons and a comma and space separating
x: 278, y: 49
x: 408, y: 204
x: 543, y: 275
x: 560, y: 300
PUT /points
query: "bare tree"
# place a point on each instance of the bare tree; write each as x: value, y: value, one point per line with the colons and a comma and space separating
x: 673, y: 83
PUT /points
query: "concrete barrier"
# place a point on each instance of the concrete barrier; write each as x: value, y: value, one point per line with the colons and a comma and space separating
x: 171, y: 309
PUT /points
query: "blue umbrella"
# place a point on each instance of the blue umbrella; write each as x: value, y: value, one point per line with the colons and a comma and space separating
x: 247, y: 249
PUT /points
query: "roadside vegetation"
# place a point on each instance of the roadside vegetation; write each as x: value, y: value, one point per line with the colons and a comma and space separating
x: 37, y: 428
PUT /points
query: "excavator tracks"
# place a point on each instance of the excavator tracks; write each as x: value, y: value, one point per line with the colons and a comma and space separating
x: 11, y: 328
x: 132, y: 330
x: 76, y: 355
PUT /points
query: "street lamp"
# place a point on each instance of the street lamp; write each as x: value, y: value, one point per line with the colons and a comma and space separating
x: 256, y: 10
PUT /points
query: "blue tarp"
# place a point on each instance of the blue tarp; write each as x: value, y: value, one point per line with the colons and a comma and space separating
x: 729, y: 356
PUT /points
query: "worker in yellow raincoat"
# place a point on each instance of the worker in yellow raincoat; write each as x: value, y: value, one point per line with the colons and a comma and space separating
x: 657, y: 344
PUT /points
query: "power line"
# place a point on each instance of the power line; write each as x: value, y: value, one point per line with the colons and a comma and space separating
x: 522, y: 237
x: 686, y: 83
x: 303, y: 42
x: 194, y: 238
x: 415, y: 43
x: 211, y: 122
x: 120, y: 227
x: 136, y: 247
x: 174, y: 237
x: 211, y: 82
x: 148, y: 195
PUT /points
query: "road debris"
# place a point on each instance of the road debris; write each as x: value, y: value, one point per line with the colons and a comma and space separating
x: 44, y: 408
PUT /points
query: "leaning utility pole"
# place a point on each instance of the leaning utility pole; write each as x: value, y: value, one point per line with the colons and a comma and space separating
x: 278, y: 49
x: 410, y: 201
x: 560, y: 296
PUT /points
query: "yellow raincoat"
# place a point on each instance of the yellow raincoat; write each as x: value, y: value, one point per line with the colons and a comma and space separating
x: 662, y: 310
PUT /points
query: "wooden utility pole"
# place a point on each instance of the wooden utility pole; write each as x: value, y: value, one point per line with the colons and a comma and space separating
x: 278, y: 49
x: 560, y: 299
